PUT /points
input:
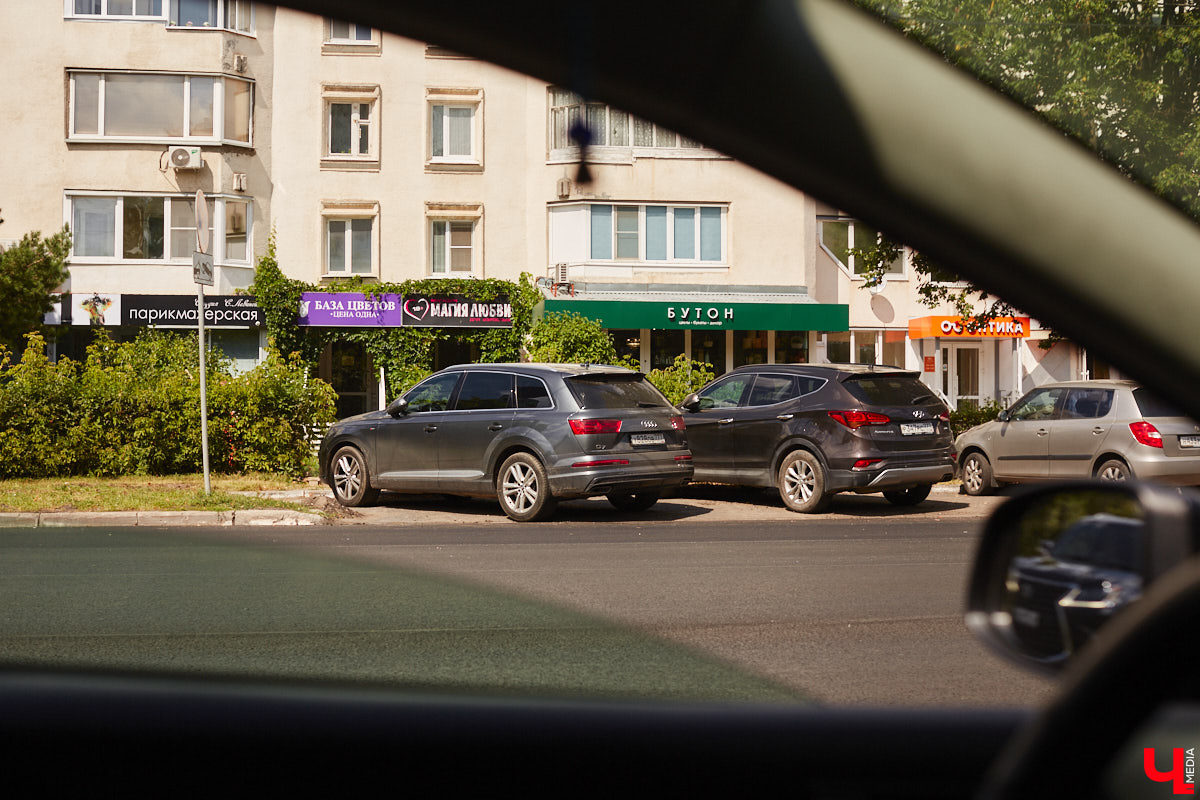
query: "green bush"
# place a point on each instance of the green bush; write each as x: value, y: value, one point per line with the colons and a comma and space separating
x: 134, y: 408
x: 968, y: 416
x: 681, y: 378
x: 564, y: 337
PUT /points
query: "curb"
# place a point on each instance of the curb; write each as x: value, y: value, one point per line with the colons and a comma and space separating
x: 77, y: 519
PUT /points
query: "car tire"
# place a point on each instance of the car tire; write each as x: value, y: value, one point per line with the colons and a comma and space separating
x: 523, y: 489
x: 350, y: 478
x: 908, y: 497
x: 801, y: 482
x: 633, y: 501
x: 1114, y: 469
x: 976, y: 474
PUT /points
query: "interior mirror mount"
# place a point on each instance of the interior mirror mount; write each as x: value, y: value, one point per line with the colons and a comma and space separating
x: 1056, y: 563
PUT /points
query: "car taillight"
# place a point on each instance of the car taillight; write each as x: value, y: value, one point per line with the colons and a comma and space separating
x: 859, y: 419
x: 582, y: 427
x: 864, y: 463
x: 1146, y: 434
x: 677, y: 423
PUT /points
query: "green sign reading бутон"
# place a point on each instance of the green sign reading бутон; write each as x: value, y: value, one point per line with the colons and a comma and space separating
x: 614, y: 314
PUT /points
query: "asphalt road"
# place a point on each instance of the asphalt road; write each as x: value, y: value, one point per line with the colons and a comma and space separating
x: 858, y: 606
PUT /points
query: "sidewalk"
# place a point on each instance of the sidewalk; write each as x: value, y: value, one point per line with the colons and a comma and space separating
x: 706, y: 502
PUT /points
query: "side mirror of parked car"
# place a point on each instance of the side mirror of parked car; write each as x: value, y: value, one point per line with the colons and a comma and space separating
x: 397, y: 407
x: 1002, y: 416
x: 1057, y: 563
x: 691, y: 403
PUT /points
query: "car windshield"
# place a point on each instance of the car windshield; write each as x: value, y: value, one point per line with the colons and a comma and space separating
x: 1102, y: 542
x: 348, y: 211
x: 615, y: 391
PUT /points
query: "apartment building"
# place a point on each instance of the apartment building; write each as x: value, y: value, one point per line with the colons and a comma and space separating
x: 372, y: 156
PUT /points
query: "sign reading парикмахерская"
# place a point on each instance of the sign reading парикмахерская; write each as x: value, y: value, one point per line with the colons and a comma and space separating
x: 391, y: 310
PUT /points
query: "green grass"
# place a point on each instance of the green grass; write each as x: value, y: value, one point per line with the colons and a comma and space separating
x: 143, y: 493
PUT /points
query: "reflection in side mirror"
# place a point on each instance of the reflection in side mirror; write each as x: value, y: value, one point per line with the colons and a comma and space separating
x: 397, y: 407
x: 691, y: 403
x: 1056, y: 564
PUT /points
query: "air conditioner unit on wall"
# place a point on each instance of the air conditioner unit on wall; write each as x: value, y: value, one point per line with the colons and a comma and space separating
x: 185, y: 157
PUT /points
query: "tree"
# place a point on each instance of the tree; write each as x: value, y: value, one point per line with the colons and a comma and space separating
x: 29, y: 272
x: 1120, y: 77
x: 565, y: 337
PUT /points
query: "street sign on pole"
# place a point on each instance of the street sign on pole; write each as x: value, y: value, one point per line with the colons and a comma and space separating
x: 202, y: 274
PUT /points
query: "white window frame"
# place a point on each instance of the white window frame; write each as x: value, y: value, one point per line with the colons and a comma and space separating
x: 217, y: 222
x: 354, y: 96
x: 454, y: 98
x: 641, y: 259
x: 450, y: 213
x: 347, y: 212
x: 349, y: 45
x: 895, y: 273
x: 561, y: 116
x: 218, y: 136
x: 106, y: 15
x: 242, y: 9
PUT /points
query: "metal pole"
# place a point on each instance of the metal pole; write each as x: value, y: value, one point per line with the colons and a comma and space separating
x: 203, y: 389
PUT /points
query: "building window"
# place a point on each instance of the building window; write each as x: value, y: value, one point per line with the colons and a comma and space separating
x: 351, y: 126
x: 455, y: 138
x: 160, y: 107
x: 117, y: 9
x: 657, y: 233
x: 349, y: 38
x: 454, y: 239
x: 230, y: 15
x: 138, y: 228
x: 350, y: 239
x: 839, y: 236
x: 612, y: 133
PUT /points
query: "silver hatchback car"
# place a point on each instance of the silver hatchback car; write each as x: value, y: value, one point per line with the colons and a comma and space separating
x: 1113, y: 430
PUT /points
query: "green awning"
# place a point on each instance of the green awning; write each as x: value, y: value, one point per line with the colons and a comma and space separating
x: 706, y: 314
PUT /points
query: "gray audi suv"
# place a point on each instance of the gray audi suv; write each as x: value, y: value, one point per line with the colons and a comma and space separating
x: 814, y: 430
x: 528, y: 434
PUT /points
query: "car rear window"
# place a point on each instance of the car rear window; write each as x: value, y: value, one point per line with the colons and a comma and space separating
x: 616, y: 391
x: 1151, y: 406
x: 889, y: 390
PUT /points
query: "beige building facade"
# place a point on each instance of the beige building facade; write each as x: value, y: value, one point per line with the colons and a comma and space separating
x: 372, y: 156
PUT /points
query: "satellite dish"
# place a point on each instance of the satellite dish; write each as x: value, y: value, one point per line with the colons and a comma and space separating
x: 877, y: 288
x: 201, y: 223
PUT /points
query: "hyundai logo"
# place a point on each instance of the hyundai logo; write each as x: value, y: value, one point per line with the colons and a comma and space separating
x: 918, y: 414
x: 649, y: 423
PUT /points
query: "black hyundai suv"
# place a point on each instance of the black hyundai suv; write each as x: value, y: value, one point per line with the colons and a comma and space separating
x: 816, y: 430
x: 527, y: 434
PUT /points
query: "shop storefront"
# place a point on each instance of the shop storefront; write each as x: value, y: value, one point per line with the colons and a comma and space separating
x: 726, y: 329
x: 347, y: 366
x: 234, y: 324
x: 973, y: 367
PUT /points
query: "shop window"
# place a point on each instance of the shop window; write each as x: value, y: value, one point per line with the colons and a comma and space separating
x: 709, y: 347
x: 628, y: 344
x: 448, y: 352
x: 350, y: 376
x: 749, y: 347
x: 791, y: 347
x: 837, y: 347
x: 894, y: 348
x: 664, y: 347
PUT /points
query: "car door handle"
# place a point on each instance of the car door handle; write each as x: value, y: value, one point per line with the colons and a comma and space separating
x: 725, y: 421
x: 1042, y: 432
x: 430, y: 428
x: 785, y: 416
x: 495, y: 426
x: 1097, y: 430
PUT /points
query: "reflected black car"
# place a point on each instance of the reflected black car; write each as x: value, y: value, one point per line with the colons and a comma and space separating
x: 528, y: 434
x: 815, y: 430
x: 1076, y: 583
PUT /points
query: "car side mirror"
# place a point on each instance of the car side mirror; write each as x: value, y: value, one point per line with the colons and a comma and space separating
x: 1002, y: 416
x: 691, y: 403
x: 397, y: 407
x: 1055, y: 564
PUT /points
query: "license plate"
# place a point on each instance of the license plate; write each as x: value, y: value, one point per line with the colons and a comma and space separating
x: 1189, y: 441
x: 916, y: 428
x: 647, y: 438
x: 1026, y: 616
